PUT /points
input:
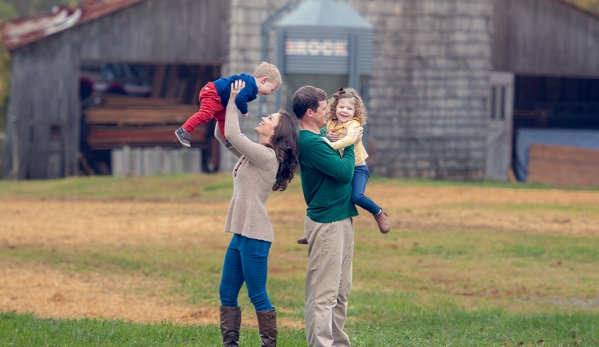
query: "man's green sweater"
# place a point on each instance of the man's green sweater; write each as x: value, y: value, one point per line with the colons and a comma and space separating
x: 326, y: 178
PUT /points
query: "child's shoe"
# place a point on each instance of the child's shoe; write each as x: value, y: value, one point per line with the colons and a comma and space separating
x: 183, y: 137
x: 382, y: 221
x: 302, y: 241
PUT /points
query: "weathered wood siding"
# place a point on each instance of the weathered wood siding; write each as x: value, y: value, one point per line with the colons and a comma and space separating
x: 430, y: 87
x: 44, y: 95
x: 168, y: 31
x: 545, y: 37
x: 44, y: 114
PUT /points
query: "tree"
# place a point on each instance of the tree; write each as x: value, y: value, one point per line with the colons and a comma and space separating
x: 24, y: 7
x: 7, y: 12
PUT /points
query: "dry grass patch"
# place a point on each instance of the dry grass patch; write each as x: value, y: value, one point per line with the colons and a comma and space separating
x: 385, y: 264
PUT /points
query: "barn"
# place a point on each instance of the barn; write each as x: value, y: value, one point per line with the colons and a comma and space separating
x: 172, y: 46
x: 455, y: 89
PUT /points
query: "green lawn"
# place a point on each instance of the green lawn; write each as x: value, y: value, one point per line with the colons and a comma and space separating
x: 413, y: 327
x: 411, y: 288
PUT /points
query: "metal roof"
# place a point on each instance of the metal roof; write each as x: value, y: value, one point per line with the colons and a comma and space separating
x: 28, y: 29
x: 325, y: 13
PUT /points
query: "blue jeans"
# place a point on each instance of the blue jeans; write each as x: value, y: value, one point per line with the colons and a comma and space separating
x: 246, y: 261
x: 361, y: 175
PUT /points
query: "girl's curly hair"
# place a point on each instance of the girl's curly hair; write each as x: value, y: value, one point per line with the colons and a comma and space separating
x: 348, y: 93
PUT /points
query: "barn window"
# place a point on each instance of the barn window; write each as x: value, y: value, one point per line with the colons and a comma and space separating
x: 55, y: 134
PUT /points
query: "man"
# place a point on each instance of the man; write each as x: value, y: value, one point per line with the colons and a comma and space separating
x: 326, y: 183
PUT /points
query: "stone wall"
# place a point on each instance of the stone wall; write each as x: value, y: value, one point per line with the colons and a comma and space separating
x: 429, y: 89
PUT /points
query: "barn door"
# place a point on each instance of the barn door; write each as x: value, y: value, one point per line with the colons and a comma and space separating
x: 55, y: 153
x: 499, y: 133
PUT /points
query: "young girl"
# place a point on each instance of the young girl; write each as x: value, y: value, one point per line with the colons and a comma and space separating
x: 347, y: 117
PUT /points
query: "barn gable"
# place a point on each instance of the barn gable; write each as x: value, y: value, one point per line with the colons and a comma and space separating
x: 44, y: 127
x: 545, y: 37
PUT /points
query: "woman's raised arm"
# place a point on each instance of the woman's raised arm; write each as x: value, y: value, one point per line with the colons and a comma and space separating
x: 258, y: 154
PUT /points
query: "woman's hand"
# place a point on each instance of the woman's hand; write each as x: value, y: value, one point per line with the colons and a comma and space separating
x: 236, y: 87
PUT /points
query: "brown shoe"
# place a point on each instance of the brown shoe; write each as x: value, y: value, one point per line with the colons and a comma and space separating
x: 267, y: 326
x: 382, y: 221
x: 302, y: 241
x: 230, y: 322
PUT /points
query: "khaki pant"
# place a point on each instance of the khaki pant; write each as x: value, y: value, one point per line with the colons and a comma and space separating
x: 328, y: 281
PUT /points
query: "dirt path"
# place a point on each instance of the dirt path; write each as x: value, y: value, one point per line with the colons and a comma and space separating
x: 51, y: 292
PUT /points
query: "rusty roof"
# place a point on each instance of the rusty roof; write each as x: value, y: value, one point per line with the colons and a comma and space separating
x: 28, y: 29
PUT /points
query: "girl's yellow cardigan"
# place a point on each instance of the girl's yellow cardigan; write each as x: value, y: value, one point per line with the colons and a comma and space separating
x: 348, y: 133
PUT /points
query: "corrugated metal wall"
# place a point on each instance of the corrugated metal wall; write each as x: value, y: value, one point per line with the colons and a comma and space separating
x: 43, y: 129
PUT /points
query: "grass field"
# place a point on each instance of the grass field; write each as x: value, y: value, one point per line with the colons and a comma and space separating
x: 136, y: 262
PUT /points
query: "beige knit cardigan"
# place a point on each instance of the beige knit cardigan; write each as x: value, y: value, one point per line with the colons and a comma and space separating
x: 253, y: 178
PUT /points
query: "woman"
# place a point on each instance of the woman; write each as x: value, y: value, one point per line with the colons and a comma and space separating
x: 262, y: 167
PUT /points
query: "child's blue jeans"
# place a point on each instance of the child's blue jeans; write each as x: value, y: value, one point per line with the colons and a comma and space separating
x: 361, y: 175
x: 246, y: 261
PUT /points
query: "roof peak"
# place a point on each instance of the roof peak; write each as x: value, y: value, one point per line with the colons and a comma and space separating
x: 325, y: 13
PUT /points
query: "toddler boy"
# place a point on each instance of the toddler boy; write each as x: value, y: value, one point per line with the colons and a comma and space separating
x: 215, y: 96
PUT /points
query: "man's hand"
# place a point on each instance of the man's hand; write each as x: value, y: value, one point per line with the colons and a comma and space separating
x: 333, y: 136
x: 245, y: 115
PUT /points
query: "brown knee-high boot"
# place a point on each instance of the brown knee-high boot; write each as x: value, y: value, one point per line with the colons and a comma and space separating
x: 230, y: 322
x: 267, y: 325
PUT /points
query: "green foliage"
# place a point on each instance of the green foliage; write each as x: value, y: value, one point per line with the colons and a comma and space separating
x: 7, y: 12
x: 25, y: 7
x: 591, y: 5
x: 4, y: 86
